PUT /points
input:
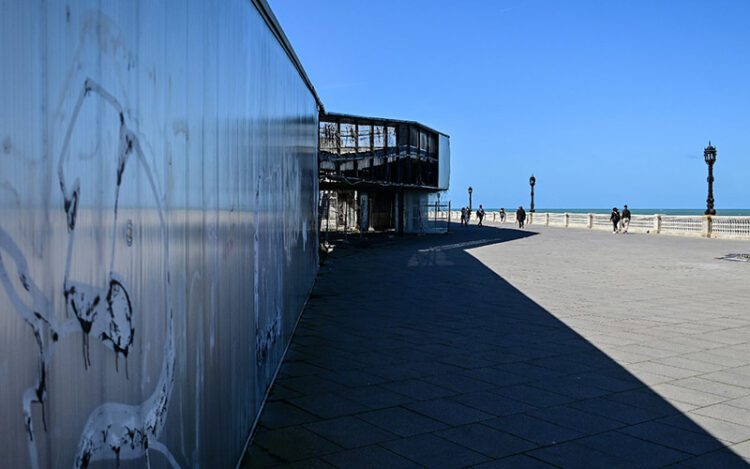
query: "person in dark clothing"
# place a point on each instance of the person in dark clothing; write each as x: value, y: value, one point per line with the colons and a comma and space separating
x: 502, y: 215
x: 463, y: 216
x: 625, y: 219
x: 520, y: 216
x: 480, y: 214
x: 614, y: 217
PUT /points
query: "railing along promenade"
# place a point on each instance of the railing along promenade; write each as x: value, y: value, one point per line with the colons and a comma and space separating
x: 716, y: 226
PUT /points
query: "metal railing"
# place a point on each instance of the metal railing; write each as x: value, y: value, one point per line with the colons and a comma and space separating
x: 434, y: 218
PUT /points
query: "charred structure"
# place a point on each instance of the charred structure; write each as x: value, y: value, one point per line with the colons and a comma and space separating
x: 377, y: 174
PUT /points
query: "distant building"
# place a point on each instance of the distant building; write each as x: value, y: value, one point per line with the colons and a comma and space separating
x: 378, y: 173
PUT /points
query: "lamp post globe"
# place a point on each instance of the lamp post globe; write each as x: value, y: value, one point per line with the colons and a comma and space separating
x: 470, y: 191
x: 532, y: 183
x: 709, y: 155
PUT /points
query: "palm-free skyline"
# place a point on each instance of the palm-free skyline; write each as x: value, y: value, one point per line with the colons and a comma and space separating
x: 605, y: 102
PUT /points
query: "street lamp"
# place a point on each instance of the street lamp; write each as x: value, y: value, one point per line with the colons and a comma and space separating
x: 532, y: 183
x: 709, y: 154
x: 470, y: 191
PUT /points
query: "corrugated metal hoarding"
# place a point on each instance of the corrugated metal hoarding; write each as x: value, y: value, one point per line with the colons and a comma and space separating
x: 157, y: 228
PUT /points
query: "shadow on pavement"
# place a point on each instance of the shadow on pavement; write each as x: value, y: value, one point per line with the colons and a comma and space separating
x: 415, y: 354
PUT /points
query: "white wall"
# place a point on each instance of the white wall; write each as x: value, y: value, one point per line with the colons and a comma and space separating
x: 444, y: 162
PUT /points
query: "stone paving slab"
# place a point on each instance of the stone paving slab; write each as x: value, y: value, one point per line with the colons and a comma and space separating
x: 497, y: 347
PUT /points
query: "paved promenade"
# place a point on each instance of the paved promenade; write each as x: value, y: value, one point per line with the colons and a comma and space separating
x: 494, y: 347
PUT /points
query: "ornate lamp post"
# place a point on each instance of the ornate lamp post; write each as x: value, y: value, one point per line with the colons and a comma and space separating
x: 532, y: 183
x: 709, y: 154
x: 470, y: 191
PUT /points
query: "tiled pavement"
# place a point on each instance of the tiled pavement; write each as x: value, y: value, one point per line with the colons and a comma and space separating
x: 565, y: 348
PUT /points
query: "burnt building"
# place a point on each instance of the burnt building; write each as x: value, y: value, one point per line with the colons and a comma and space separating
x: 379, y: 174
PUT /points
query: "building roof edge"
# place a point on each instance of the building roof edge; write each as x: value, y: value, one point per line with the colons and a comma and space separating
x: 341, y: 115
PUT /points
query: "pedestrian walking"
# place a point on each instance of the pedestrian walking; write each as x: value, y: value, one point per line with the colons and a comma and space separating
x: 463, y: 216
x: 614, y: 217
x: 625, y: 222
x: 502, y: 215
x: 480, y: 214
x: 520, y: 216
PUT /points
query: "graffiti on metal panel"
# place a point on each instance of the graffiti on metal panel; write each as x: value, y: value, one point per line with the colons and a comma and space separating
x: 113, y: 431
x: 267, y: 313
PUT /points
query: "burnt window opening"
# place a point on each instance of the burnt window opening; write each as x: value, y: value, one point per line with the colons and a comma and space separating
x: 364, y: 135
x: 378, y: 138
x: 348, y: 137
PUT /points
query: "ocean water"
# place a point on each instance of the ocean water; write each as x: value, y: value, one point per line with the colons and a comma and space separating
x: 733, y: 212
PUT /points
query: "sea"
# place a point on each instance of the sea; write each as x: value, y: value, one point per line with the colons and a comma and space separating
x: 730, y: 212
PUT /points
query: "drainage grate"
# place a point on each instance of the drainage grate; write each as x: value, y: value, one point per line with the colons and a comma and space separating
x: 736, y: 257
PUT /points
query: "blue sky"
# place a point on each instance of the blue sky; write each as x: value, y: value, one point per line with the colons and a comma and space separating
x: 606, y: 102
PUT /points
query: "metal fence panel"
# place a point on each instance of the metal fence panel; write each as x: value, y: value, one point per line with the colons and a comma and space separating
x: 158, y: 191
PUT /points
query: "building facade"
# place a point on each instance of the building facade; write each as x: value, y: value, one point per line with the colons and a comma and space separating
x: 378, y: 174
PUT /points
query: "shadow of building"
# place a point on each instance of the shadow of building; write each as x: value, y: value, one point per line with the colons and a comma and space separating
x: 416, y: 353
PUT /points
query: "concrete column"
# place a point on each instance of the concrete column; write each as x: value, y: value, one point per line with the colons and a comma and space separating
x: 399, y: 212
x: 707, y: 226
x: 448, y: 226
x: 364, y: 212
x: 531, y: 218
x: 657, y: 223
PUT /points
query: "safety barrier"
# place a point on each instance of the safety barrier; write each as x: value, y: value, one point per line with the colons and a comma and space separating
x: 714, y: 226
